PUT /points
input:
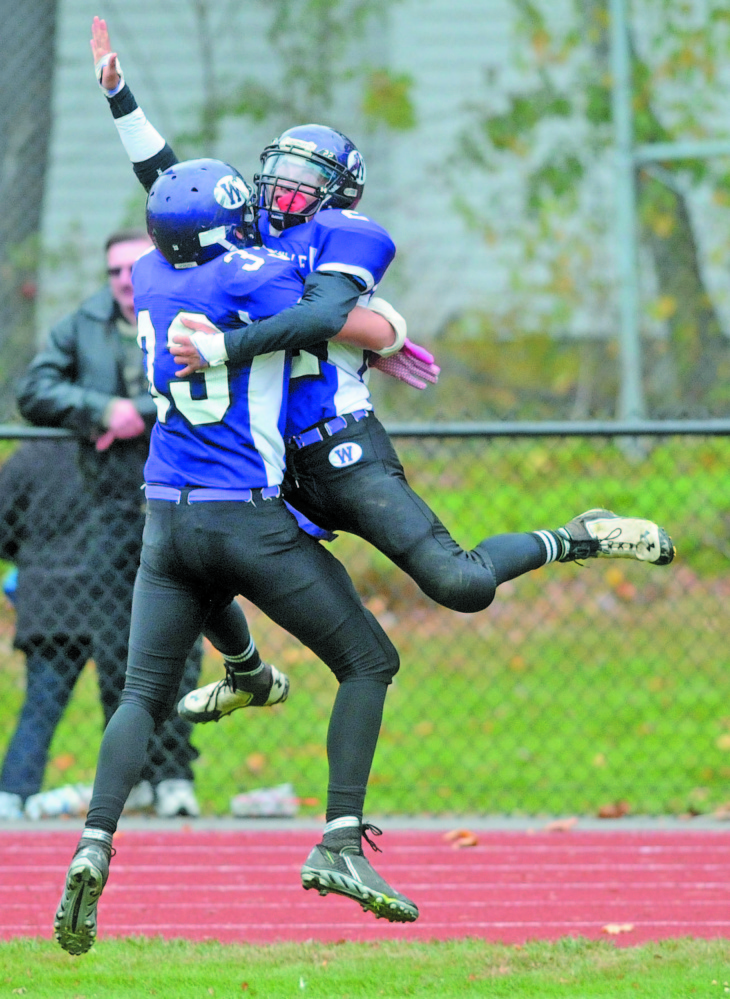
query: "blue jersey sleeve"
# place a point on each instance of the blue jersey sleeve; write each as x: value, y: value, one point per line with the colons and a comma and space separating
x: 347, y: 242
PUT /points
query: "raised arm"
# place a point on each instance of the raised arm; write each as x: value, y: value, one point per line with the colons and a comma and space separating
x: 147, y: 149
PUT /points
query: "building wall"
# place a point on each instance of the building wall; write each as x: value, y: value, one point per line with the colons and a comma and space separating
x: 444, y: 45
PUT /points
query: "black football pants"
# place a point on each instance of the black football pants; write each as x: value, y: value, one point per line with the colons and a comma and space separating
x: 372, y: 499
x: 194, y: 558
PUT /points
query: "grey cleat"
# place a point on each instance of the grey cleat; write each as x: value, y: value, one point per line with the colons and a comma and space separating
x: 347, y: 872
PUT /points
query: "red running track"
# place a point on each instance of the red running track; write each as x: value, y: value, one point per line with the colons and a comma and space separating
x: 243, y: 886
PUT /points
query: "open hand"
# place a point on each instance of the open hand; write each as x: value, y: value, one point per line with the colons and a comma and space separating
x: 413, y: 365
x: 185, y: 352
x: 109, y: 77
x: 124, y: 422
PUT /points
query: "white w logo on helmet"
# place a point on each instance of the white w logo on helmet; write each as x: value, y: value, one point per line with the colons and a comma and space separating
x: 231, y: 192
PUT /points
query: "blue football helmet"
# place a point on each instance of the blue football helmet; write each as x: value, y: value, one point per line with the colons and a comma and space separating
x: 308, y: 168
x: 199, y: 209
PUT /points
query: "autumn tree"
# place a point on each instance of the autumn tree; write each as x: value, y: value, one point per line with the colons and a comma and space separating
x: 540, y: 143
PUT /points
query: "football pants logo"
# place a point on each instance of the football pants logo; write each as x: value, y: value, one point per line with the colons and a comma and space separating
x: 345, y: 454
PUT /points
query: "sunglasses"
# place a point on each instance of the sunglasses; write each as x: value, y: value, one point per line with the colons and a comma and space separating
x: 115, y: 272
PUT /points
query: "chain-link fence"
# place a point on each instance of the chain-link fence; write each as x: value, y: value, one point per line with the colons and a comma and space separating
x: 25, y: 130
x: 601, y: 687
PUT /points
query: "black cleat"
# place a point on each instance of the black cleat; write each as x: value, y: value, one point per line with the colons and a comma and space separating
x: 75, y: 922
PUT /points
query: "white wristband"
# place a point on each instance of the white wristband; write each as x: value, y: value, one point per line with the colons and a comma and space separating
x: 396, y: 320
x: 98, y: 69
x: 211, y: 347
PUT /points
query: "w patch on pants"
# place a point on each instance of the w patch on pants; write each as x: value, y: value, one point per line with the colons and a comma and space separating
x: 345, y: 454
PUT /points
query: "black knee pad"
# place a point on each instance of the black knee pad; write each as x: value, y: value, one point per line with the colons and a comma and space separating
x: 463, y: 595
x: 159, y: 711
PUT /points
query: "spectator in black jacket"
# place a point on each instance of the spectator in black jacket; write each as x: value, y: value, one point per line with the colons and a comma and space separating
x: 90, y: 379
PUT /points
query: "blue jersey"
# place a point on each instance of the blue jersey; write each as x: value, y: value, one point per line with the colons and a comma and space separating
x: 221, y: 427
x: 333, y: 380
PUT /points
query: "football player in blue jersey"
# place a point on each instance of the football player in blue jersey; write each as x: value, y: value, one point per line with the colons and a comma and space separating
x: 342, y: 470
x: 217, y: 525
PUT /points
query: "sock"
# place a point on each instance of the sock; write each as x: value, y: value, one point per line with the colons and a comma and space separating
x: 343, y: 832
x: 557, y: 545
x: 513, y: 555
x: 227, y: 629
x: 249, y: 670
x: 246, y: 662
x: 92, y: 834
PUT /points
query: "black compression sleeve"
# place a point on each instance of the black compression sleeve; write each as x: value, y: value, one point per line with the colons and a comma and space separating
x: 149, y: 170
x: 146, y: 171
x: 123, y: 103
x: 327, y: 302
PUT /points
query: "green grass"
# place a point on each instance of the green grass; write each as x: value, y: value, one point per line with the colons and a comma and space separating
x: 578, y: 688
x: 571, y: 967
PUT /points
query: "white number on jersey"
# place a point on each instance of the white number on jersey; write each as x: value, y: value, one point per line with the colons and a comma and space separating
x: 217, y: 399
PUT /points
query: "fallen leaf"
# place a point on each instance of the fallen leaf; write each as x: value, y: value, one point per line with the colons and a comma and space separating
x: 561, y: 825
x: 460, y: 838
x: 256, y: 762
x: 63, y: 761
x: 614, y: 928
x: 614, y: 810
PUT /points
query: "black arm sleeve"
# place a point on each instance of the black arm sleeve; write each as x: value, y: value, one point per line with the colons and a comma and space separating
x: 322, y: 312
x: 147, y: 171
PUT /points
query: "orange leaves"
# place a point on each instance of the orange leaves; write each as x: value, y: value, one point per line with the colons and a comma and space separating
x: 460, y: 838
x: 614, y: 810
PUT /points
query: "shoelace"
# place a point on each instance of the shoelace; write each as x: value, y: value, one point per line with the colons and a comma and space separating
x: 368, y: 827
x: 611, y: 541
x: 225, y: 684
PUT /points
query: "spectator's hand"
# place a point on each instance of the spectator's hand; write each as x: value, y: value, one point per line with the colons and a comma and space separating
x: 124, y: 422
x: 413, y: 365
x: 108, y: 74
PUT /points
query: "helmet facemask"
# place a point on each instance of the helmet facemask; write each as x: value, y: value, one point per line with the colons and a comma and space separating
x: 306, y: 169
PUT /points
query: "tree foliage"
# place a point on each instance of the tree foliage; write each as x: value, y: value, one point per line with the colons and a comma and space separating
x: 318, y: 48
x: 540, y: 144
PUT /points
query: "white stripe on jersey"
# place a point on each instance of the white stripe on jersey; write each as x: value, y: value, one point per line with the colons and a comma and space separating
x: 265, y: 398
x: 359, y: 272
x: 352, y: 391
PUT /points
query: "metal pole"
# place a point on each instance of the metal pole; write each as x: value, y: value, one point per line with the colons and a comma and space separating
x: 631, y: 396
